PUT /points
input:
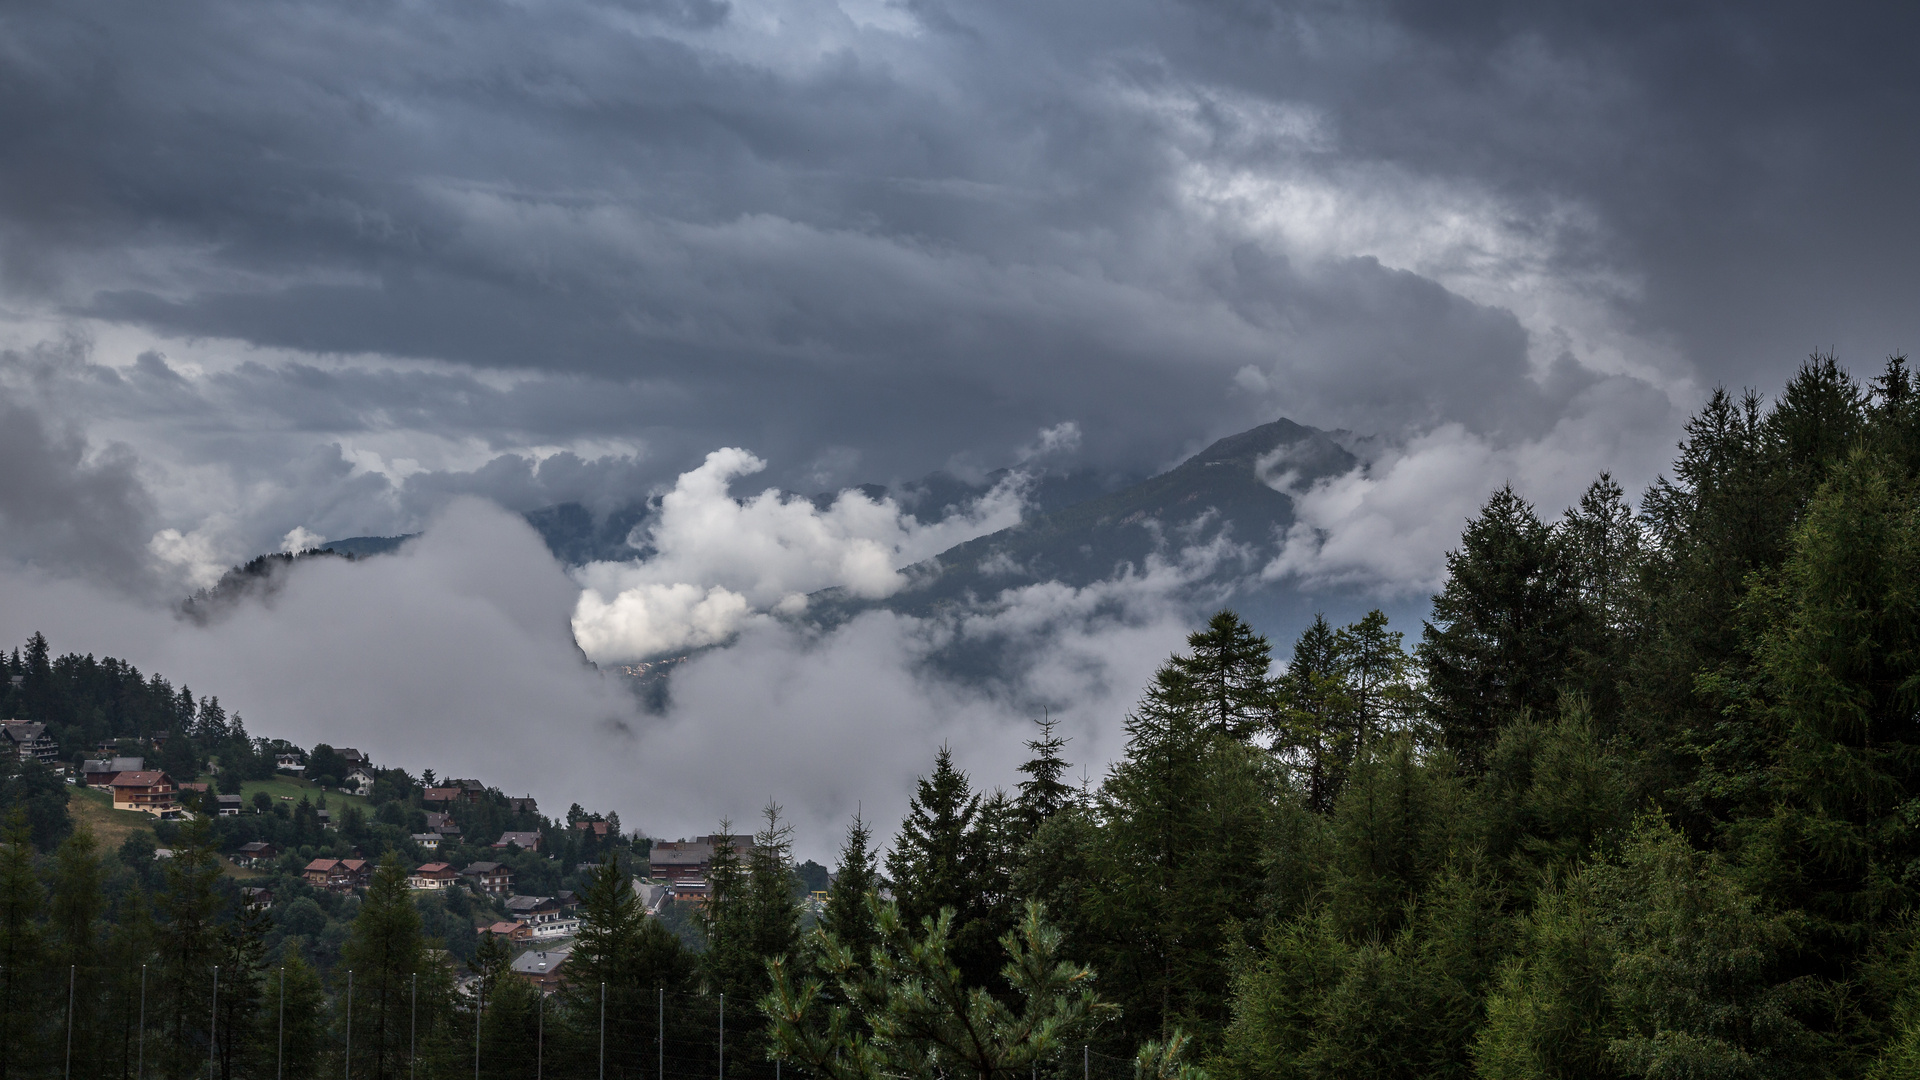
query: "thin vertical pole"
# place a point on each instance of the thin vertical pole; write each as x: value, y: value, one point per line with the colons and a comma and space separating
x: 480, y: 1006
x: 603, y: 1031
x: 723, y: 1037
x: 347, y: 1065
x: 213, y: 1028
x: 280, y: 1036
x: 660, y: 1035
x: 140, y: 1069
x: 72, y: 970
x: 1086, y: 1062
x: 413, y: 1023
x: 540, y: 1040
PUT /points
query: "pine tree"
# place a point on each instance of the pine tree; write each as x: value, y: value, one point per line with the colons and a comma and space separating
x: 243, y: 963
x: 74, y: 915
x: 1374, y: 668
x: 22, y: 952
x: 1186, y: 811
x: 1043, y: 793
x: 189, y: 948
x: 384, y: 951
x: 1500, y: 643
x: 1226, y: 676
x: 846, y: 915
x: 298, y: 1016
x: 1314, y: 729
x: 130, y: 952
x: 942, y: 859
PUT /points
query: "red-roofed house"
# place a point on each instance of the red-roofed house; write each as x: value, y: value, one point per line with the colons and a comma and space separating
x: 149, y: 791
x: 433, y: 876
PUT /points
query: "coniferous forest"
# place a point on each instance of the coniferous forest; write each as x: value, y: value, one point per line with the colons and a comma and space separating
x: 1641, y: 800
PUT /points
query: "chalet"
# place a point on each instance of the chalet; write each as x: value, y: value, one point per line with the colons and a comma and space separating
x: 471, y: 790
x: 523, y: 805
x: 514, y: 932
x: 325, y: 817
x: 339, y: 875
x: 489, y: 877
x: 292, y: 763
x: 525, y: 841
x: 542, y: 968
x: 326, y: 874
x: 433, y: 877
x: 688, y: 861
x: 227, y: 805
x: 596, y: 829
x: 99, y: 772
x: 358, y: 782
x: 261, y: 898
x: 447, y: 795
x: 544, y: 916
x: 442, y: 824
x: 254, y: 853
x: 28, y: 740
x: 428, y: 840
x: 148, y: 791
x: 353, y: 758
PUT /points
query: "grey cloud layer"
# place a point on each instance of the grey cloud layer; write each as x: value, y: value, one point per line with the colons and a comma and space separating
x: 942, y: 227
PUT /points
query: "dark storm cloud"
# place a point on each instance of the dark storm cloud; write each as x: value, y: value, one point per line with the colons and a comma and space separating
x: 67, y: 506
x: 925, y: 237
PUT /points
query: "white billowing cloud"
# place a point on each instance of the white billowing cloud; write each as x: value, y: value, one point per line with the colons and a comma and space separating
x: 453, y: 654
x: 782, y: 711
x: 1387, y: 525
x: 301, y: 538
x: 717, y: 560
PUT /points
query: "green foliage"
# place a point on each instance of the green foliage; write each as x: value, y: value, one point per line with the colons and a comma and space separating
x: 947, y: 856
x: 847, y: 918
x: 1178, y: 863
x: 908, y: 1010
x: 384, y: 951
x: 1504, y: 628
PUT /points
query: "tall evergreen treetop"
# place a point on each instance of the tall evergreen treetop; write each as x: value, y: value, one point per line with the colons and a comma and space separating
x: 1225, y: 674
x: 847, y: 917
x: 1043, y: 793
x: 931, y: 866
x: 1500, y: 642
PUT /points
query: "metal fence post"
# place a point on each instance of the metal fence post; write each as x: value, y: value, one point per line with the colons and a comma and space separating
x: 540, y: 1040
x: 72, y: 973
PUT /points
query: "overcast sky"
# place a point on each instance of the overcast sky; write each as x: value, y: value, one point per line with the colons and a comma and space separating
x: 268, y: 267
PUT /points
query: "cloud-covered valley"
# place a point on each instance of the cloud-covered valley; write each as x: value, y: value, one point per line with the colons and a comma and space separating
x: 695, y: 272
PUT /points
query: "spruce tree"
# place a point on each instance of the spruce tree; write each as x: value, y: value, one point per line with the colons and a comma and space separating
x: 945, y: 858
x: 1043, y: 793
x: 846, y: 915
x: 384, y: 950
